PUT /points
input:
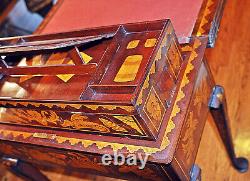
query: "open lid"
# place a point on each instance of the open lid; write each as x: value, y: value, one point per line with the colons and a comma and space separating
x: 104, y: 65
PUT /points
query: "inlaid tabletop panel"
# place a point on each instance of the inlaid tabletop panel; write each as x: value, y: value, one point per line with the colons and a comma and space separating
x: 76, y: 14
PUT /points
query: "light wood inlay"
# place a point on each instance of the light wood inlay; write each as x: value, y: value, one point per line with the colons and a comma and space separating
x: 133, y: 44
x: 129, y: 69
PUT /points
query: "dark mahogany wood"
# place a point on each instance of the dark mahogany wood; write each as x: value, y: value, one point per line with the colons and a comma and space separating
x: 23, y: 169
x: 51, y: 70
x: 104, y: 107
x: 208, y: 21
x: 45, y: 42
x: 137, y: 91
x: 95, y: 67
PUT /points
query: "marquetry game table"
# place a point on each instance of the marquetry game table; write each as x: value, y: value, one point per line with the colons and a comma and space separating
x: 106, y: 77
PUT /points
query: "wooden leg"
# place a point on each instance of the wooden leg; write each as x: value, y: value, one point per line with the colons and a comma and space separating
x: 23, y: 169
x: 218, y: 109
x: 195, y: 174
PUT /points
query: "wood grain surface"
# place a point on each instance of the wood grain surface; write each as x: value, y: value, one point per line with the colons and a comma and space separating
x: 230, y: 64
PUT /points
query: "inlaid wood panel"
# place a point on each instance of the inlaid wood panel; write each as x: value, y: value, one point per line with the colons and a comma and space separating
x: 230, y: 65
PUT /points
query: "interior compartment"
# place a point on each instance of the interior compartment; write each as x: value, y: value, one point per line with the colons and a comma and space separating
x: 50, y: 74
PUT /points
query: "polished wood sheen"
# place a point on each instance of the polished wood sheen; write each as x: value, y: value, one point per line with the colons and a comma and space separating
x: 236, y: 54
x: 134, y: 101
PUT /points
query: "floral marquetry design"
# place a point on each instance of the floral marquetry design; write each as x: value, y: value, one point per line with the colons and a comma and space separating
x: 130, y: 121
x: 154, y: 109
x: 198, y: 104
x: 187, y: 141
x: 131, y: 148
x: 82, y: 122
x: 112, y: 125
x: 27, y: 116
x: 54, y: 119
x: 201, y: 93
x: 174, y: 59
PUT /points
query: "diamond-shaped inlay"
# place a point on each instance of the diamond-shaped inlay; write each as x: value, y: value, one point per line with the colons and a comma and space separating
x: 150, y: 43
x: 133, y: 44
x: 154, y: 109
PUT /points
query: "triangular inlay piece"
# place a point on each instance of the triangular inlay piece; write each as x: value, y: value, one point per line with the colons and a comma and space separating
x: 86, y: 58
